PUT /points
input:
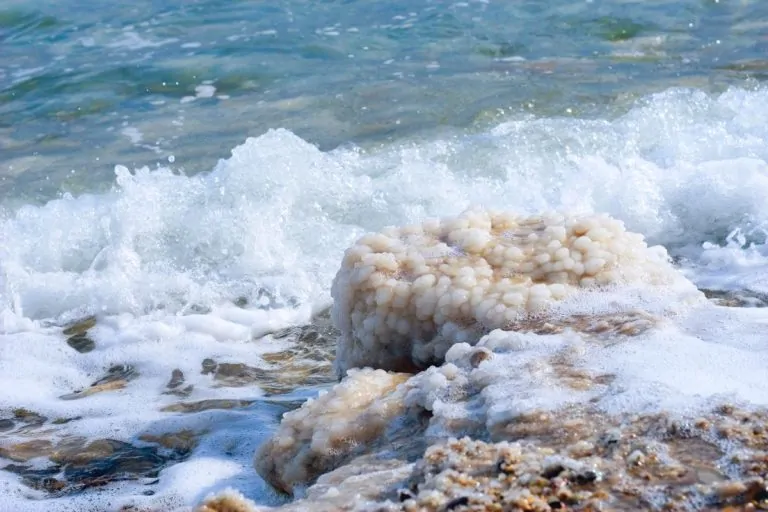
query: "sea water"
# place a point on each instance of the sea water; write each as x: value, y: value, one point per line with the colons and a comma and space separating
x: 190, y: 174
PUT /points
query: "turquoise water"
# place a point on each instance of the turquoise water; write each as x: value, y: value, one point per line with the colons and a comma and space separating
x: 84, y: 87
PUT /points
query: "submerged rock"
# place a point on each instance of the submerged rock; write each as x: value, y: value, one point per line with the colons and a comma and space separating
x: 77, y: 335
x: 116, y: 377
x: 205, y: 405
x: 80, y: 327
x: 77, y: 464
x: 82, y: 343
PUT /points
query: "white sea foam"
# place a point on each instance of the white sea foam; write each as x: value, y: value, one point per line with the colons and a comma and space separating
x: 162, y: 257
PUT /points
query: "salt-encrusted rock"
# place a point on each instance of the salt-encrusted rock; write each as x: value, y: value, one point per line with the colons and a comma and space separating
x: 327, y: 431
x: 403, y: 297
x: 228, y: 500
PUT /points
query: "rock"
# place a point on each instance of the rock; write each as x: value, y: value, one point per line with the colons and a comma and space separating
x: 175, y: 383
x: 205, y: 405
x: 177, y: 379
x: 287, y: 371
x: 82, y: 343
x: 84, y: 463
x: 117, y: 377
x: 22, y: 452
x: 79, y: 327
x: 327, y: 431
x: 181, y: 442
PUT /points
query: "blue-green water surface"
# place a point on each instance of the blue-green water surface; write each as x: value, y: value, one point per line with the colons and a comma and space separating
x: 85, y: 85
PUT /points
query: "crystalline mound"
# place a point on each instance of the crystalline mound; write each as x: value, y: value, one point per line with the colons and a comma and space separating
x: 404, y: 296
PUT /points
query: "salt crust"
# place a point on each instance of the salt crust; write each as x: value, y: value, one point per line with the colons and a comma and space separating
x: 404, y: 296
x: 593, y: 277
x: 447, y: 300
x: 328, y: 430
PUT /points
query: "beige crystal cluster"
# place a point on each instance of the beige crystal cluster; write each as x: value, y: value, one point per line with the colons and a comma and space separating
x: 404, y: 296
x: 326, y: 430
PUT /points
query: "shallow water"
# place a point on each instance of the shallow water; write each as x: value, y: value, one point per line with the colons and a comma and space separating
x: 84, y: 89
x: 362, y: 115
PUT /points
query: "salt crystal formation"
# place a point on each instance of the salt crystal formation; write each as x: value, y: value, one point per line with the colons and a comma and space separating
x: 228, y: 500
x: 325, y: 431
x: 403, y: 297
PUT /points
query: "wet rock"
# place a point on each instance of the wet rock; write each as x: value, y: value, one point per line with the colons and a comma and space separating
x: 737, y: 299
x: 22, y: 452
x: 40, y: 479
x: 238, y: 374
x: 174, y: 385
x: 28, y: 417
x: 288, y: 370
x: 79, y: 327
x: 117, y: 377
x: 118, y: 372
x: 177, y: 379
x: 79, y: 464
x: 108, y: 386
x: 63, y: 421
x: 205, y: 405
x: 332, y: 428
x: 183, y: 441
x: 209, y: 366
x: 26, y: 421
x: 82, y: 343
x: 6, y: 424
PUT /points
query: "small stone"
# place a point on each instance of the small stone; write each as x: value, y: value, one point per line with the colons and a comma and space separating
x: 177, y: 379
x: 209, y: 366
x: 118, y: 372
x: 731, y: 489
x: 117, y: 377
x: 553, y: 471
x: 183, y: 441
x: 107, y: 386
x: 82, y: 343
x: 29, y: 417
x: 63, y: 421
x: 757, y: 492
x: 205, y: 405
x: 457, y: 502
x: 80, y: 327
x: 585, y: 478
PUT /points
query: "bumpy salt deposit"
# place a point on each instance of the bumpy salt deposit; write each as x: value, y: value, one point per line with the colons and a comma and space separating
x: 403, y: 297
x: 325, y: 431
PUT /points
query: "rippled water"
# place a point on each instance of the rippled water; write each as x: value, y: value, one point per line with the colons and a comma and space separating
x: 85, y: 87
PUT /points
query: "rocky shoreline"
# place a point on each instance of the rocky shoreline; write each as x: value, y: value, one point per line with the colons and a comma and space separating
x: 505, y: 395
x: 565, y: 461
x: 532, y: 388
